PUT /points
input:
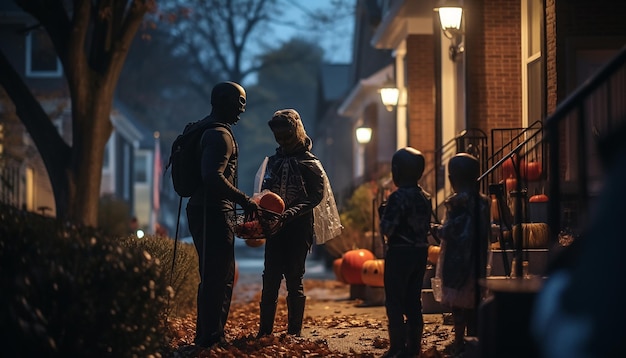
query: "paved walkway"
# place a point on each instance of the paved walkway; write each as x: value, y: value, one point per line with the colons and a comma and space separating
x: 333, y: 314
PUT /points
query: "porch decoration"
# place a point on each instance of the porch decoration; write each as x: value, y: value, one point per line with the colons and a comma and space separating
x: 531, y: 170
x: 352, y: 264
x: 495, y: 211
x: 337, y: 270
x: 433, y: 254
x: 511, y: 184
x: 538, y: 198
x: 373, y: 273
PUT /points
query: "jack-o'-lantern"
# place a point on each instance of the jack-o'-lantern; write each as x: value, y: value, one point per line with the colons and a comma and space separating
x: 352, y: 264
x: 373, y: 273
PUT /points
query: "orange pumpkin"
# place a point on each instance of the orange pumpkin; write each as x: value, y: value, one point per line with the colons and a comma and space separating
x: 272, y: 202
x: 352, y: 264
x: 539, y: 198
x: 531, y: 171
x: 495, y: 211
x: 255, y: 242
x: 508, y: 167
x: 337, y: 270
x: 373, y: 273
x: 511, y: 184
x: 433, y: 254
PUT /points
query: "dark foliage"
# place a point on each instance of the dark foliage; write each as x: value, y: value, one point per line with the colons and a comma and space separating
x: 68, y: 292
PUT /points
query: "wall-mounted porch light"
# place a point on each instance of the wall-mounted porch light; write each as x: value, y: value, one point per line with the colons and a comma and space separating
x: 363, y: 135
x: 450, y: 17
x: 389, y: 94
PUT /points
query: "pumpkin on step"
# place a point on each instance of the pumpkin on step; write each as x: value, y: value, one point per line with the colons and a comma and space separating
x: 433, y: 254
x: 531, y: 170
x: 352, y: 264
x: 337, y: 270
x: 373, y: 273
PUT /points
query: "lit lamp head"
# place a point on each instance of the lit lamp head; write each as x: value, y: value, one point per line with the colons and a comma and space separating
x: 363, y: 135
x: 450, y: 17
x: 389, y: 94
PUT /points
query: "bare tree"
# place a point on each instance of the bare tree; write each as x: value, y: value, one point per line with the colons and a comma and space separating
x: 91, y: 38
x: 225, y: 39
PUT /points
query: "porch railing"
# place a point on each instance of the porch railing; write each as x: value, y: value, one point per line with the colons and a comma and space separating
x: 573, y: 131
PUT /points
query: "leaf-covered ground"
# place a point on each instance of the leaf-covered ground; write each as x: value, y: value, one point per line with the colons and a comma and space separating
x: 334, y: 326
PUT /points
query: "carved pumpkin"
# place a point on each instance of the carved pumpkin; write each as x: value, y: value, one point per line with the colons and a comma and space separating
x: 352, y: 264
x: 272, y: 201
x: 373, y: 273
x: 337, y: 270
x: 531, y: 171
x: 433, y: 254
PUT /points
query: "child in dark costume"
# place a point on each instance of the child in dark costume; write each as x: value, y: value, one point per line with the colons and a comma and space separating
x: 296, y: 175
x: 464, y: 240
x: 405, y: 222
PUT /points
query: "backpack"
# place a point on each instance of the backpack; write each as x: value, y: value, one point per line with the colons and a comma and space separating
x: 185, y: 158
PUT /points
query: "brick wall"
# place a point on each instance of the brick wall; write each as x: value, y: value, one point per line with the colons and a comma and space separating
x: 493, y: 46
x: 550, y: 45
x: 420, y: 63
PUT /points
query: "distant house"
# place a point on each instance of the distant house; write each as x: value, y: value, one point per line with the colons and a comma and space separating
x: 129, y: 156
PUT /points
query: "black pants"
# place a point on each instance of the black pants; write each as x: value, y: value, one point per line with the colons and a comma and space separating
x: 285, y: 254
x: 216, y: 254
x: 404, y: 276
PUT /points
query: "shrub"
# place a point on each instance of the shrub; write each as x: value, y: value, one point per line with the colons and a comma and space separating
x: 185, y: 279
x: 357, y: 220
x: 68, y: 291
x: 113, y: 216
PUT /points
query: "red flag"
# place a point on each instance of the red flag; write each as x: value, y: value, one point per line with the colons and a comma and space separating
x: 156, y: 181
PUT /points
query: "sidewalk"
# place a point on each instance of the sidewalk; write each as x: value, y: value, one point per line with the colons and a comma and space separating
x: 347, y: 325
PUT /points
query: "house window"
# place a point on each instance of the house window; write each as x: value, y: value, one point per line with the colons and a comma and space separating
x: 41, y: 58
x: 141, y: 168
x: 533, y: 88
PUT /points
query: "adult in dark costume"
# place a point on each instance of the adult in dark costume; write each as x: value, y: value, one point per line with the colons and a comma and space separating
x: 405, y: 222
x: 295, y: 174
x: 208, y: 210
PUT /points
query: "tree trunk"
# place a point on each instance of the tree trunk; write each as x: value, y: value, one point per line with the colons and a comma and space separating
x: 54, y: 152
